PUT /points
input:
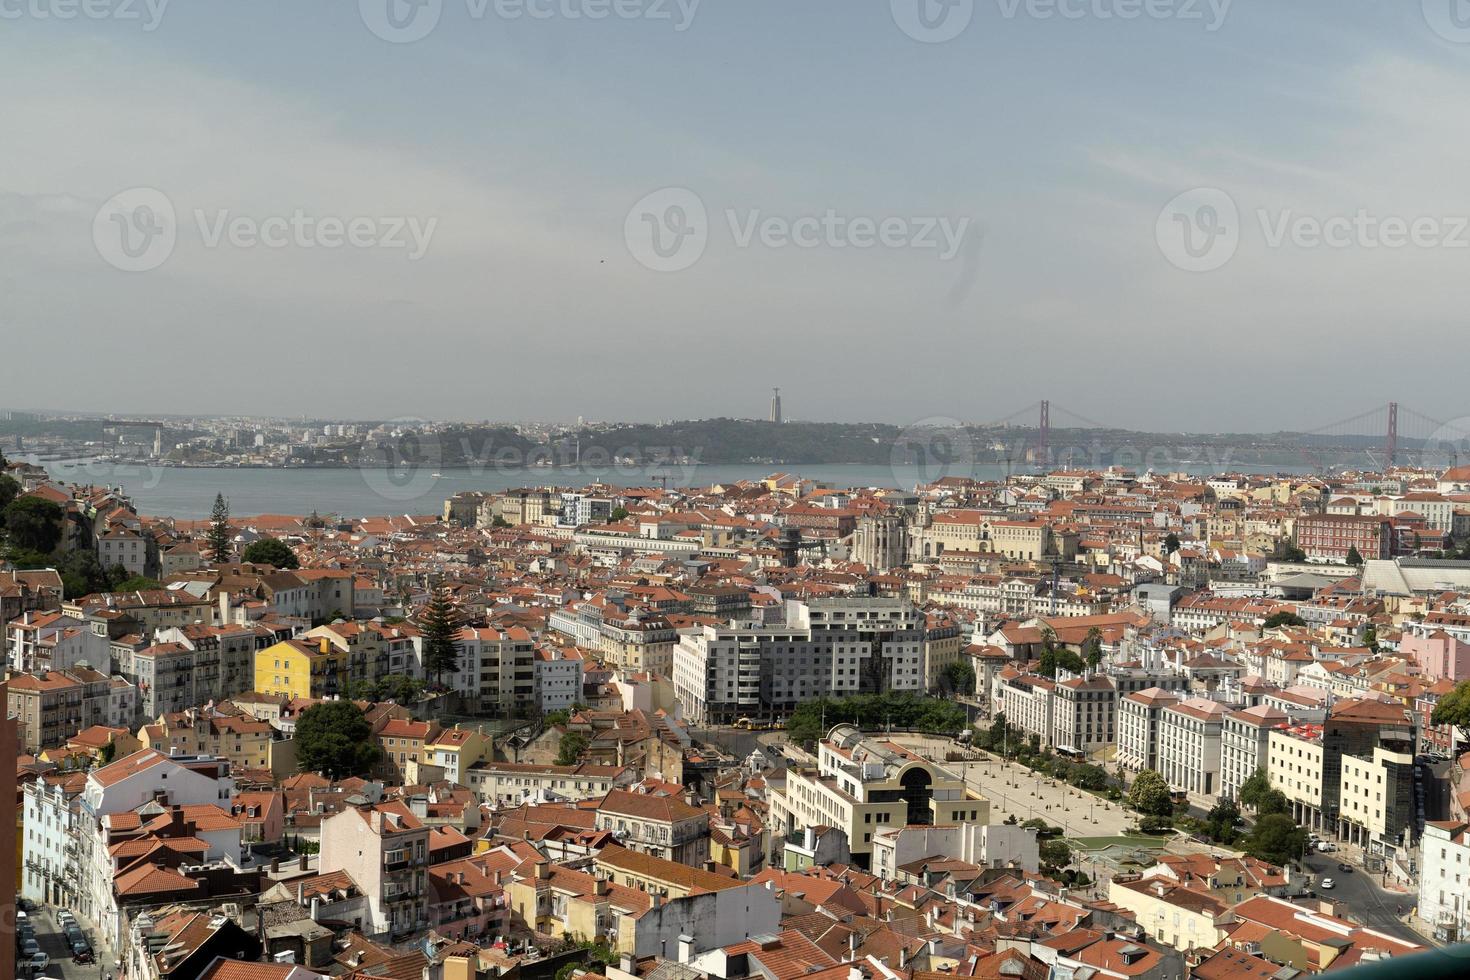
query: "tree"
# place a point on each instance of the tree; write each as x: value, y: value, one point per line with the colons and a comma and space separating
x: 82, y: 574
x: 33, y: 524
x: 1092, y: 648
x: 958, y: 677
x: 618, y: 514
x: 1370, y: 637
x: 271, y: 551
x: 1283, y: 618
x: 1273, y: 801
x: 137, y: 583
x: 571, y: 747
x: 1454, y: 709
x: 1276, y: 838
x: 333, y: 738
x: 1055, y: 854
x: 1171, y: 543
x: 107, y: 753
x: 1150, y: 795
x: 218, y: 542
x: 1286, y: 551
x: 1221, y: 821
x: 9, y: 490
x: 1354, y: 557
x: 440, y: 624
x: 1255, y: 787
x: 1059, y: 658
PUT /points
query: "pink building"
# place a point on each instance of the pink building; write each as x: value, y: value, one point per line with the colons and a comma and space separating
x: 1438, y: 654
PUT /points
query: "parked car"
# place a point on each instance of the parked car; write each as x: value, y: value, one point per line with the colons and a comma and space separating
x: 29, y: 947
x: 38, y: 961
x: 1344, y: 867
x: 1328, y: 883
x: 1326, y: 846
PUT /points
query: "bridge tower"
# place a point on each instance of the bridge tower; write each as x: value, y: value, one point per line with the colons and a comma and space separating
x: 1393, y: 432
x: 1043, y: 440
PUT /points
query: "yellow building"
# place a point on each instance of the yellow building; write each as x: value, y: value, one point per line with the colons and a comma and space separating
x: 302, y: 668
x: 1171, y: 913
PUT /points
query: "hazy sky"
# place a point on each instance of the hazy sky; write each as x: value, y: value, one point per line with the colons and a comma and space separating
x: 993, y: 211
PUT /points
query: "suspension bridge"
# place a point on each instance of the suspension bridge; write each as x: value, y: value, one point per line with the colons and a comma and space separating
x: 1047, y: 434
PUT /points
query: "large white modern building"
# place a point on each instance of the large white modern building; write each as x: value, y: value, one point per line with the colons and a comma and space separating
x: 830, y: 646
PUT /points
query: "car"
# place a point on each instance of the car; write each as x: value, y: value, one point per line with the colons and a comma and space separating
x: 1326, y: 846
x: 29, y: 947
x: 1344, y: 867
x: 1328, y: 883
x: 64, y: 916
x: 38, y: 961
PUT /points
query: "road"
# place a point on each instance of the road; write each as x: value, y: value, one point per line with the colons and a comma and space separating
x: 53, y: 943
x: 1364, y: 900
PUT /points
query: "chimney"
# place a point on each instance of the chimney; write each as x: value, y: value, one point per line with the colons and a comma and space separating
x: 301, y: 864
x: 325, y: 645
x: 224, y: 608
x: 301, y: 893
x: 686, y: 948
x: 903, y: 957
x: 600, y: 887
x: 543, y: 870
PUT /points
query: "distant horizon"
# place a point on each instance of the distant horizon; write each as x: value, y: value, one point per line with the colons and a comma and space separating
x: 936, y: 421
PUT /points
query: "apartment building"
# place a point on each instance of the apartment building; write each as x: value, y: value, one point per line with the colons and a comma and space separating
x: 1171, y: 913
x: 47, y: 708
x: 454, y: 751
x: 497, y: 669
x: 303, y: 668
x: 165, y: 674
x: 666, y: 827
x: 385, y: 850
x: 224, y: 656
x: 1027, y: 702
x: 830, y: 646
x: 1084, y: 714
x: 1376, y: 799
x: 239, y: 738
x: 1332, y: 537
x: 863, y: 785
x: 402, y: 741
x: 54, y: 641
x: 1306, y: 761
x: 1444, y: 879
x: 1244, y: 744
x: 1139, y: 719
x: 1189, y: 745
x: 50, y: 870
x: 559, y: 673
x: 503, y: 784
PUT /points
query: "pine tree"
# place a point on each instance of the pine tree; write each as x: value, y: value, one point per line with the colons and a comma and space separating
x: 219, y: 531
x: 440, y: 624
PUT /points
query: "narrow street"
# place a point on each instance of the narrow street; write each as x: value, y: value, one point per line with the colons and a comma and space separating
x: 53, y: 943
x: 1362, y: 896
